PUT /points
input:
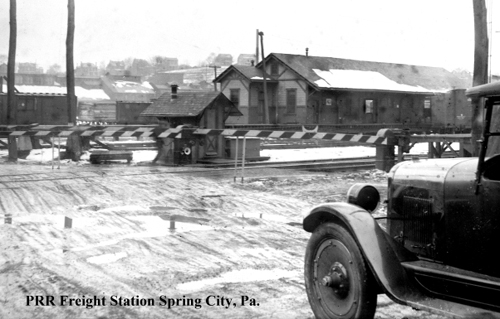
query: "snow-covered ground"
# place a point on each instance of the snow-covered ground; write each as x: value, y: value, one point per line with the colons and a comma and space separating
x: 47, y: 154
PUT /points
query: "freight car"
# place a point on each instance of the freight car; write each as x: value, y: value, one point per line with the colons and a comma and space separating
x: 112, y: 112
x: 49, y: 109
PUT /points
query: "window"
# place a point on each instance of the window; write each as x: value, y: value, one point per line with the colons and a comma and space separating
x: 427, y: 108
x: 274, y: 69
x: 291, y: 100
x: 368, y: 106
x: 234, y: 96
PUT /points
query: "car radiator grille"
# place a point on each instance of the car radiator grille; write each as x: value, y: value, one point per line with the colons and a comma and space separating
x: 418, y: 221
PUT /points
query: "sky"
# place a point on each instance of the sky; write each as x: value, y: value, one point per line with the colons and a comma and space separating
x: 424, y: 32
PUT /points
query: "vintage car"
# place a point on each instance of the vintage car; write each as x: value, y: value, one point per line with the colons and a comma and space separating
x: 436, y: 249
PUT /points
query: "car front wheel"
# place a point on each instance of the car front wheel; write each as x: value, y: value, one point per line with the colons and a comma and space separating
x: 339, y: 283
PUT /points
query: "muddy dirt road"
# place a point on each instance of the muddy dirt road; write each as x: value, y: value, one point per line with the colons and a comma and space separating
x: 111, y: 244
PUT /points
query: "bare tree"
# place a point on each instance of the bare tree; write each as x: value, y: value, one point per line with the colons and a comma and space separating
x: 480, y: 75
x: 11, y: 65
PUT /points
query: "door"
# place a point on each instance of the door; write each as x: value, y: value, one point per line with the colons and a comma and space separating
x: 211, y: 141
x: 313, y: 112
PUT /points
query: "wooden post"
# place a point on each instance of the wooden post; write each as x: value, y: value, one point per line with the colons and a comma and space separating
x: 74, y: 147
x: 59, y: 164
x: 243, y: 159
x: 236, y: 159
x: 384, y: 157
x: 12, y: 149
x: 52, y: 143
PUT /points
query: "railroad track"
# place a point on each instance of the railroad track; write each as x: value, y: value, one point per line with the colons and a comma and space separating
x: 116, y: 170
x: 309, y: 165
x: 220, y: 169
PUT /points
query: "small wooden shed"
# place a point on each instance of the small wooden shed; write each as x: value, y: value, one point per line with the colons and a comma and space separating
x: 203, y: 109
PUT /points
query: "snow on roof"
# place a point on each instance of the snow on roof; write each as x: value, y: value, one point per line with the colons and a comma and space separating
x: 81, y: 93
x: 259, y: 78
x: 147, y: 85
x: 132, y: 87
x: 362, y: 80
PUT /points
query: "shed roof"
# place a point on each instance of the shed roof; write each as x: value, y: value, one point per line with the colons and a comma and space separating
x: 429, y: 78
x: 186, y: 104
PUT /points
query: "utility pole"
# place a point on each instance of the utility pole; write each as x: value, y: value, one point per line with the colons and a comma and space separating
x: 480, y: 75
x: 215, y: 67
x: 70, y: 68
x: 11, y: 65
x: 266, y: 108
x: 257, y: 47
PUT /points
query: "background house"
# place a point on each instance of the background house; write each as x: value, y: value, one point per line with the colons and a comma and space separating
x: 246, y: 59
x: 127, y: 89
x: 141, y: 67
x: 29, y: 68
x: 116, y: 68
x: 86, y: 70
x: 163, y: 64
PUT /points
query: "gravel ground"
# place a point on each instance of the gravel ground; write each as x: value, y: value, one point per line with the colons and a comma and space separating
x: 234, y: 252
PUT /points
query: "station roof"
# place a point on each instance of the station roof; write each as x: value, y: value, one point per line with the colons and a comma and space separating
x: 320, y: 71
x: 187, y: 104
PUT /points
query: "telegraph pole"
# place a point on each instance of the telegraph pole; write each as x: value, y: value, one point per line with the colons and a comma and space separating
x: 480, y: 75
x: 215, y: 67
x: 266, y: 108
x: 11, y: 65
x: 70, y: 68
x: 257, y: 48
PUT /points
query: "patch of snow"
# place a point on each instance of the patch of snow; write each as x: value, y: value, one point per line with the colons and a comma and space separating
x: 243, y: 275
x: 80, y: 92
x: 106, y: 258
x: 356, y: 79
x: 146, y: 84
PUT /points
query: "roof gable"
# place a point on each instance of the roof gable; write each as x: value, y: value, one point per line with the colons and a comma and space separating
x: 248, y: 72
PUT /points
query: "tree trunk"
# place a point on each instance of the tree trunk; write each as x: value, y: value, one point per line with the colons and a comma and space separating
x: 11, y: 66
x: 480, y: 75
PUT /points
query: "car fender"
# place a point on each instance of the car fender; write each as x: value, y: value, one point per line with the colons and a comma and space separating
x: 382, y: 253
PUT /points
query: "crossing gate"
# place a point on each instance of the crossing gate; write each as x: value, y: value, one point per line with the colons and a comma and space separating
x: 42, y: 131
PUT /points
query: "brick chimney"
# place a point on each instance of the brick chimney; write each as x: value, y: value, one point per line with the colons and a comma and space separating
x: 174, y: 91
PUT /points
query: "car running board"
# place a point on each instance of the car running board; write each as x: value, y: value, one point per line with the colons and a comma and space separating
x: 448, y: 284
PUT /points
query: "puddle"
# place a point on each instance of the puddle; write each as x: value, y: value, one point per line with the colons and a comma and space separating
x: 57, y: 220
x: 244, y: 275
x: 156, y: 226
x: 106, y: 258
